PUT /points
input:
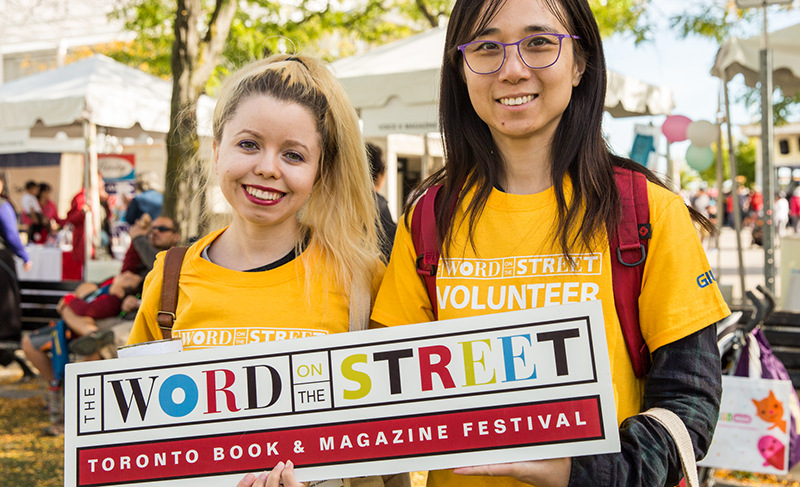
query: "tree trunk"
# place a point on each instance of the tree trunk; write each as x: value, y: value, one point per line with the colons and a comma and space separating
x: 193, y: 61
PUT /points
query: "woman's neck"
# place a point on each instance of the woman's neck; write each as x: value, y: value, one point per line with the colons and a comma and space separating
x: 243, y: 246
x: 527, y: 166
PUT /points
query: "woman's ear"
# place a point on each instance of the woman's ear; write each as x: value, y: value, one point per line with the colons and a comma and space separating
x: 215, y: 149
x: 577, y: 70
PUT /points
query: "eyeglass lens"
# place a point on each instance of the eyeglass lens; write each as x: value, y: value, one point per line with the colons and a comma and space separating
x: 538, y: 51
x: 162, y: 229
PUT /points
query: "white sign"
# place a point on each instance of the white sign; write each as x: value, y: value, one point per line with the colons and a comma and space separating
x: 760, y: 3
x: 752, y: 433
x: 399, y: 118
x: 508, y: 387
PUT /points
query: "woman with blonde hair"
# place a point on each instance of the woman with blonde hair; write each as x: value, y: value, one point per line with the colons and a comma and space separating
x: 300, y: 256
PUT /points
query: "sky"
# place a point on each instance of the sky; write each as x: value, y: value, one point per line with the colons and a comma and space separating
x: 684, y: 66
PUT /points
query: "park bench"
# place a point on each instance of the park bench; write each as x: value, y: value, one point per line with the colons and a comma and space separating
x: 782, y: 330
x: 38, y: 300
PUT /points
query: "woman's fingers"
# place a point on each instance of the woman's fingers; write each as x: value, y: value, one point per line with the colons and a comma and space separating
x: 262, y: 479
x: 274, y: 477
x: 288, y: 476
x: 247, y: 481
x: 281, y: 474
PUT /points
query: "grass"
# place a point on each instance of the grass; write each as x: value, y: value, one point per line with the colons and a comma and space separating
x: 27, y: 456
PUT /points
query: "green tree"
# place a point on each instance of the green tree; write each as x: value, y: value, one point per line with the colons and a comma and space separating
x: 784, y: 108
x: 745, y: 152
x: 622, y: 17
x: 197, y: 42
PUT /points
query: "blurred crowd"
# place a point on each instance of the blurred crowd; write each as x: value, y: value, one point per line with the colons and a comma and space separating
x: 786, y: 208
x: 95, y: 312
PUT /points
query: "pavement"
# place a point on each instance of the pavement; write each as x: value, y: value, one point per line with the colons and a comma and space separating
x: 725, y: 264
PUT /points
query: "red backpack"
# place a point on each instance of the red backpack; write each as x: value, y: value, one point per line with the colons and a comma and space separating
x: 630, y: 241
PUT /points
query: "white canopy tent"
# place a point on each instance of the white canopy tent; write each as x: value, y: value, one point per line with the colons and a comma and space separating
x: 60, y: 111
x: 395, y: 87
x: 743, y: 56
x: 95, y: 91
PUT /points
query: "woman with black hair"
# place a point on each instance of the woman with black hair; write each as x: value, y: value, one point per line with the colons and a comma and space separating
x: 10, y: 245
x: 528, y: 180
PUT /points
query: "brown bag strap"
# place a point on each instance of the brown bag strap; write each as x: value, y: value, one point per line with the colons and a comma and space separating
x: 169, y: 289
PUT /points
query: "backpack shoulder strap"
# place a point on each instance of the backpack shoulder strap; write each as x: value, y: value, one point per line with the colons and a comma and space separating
x: 423, y: 233
x: 628, y: 246
x: 173, y: 261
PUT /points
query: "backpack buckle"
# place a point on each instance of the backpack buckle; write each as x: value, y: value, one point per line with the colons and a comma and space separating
x: 626, y: 264
x: 421, y: 270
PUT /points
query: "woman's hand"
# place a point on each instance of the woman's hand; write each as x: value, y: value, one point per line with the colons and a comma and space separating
x: 541, y: 473
x: 281, y: 472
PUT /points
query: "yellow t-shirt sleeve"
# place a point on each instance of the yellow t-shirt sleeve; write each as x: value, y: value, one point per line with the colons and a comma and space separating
x: 145, y: 327
x: 679, y: 292
x: 402, y: 298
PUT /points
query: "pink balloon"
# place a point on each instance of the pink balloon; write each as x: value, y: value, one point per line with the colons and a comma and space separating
x: 674, y: 127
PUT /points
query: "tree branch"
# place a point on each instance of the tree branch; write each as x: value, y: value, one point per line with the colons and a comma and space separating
x: 423, y: 8
x: 214, y: 42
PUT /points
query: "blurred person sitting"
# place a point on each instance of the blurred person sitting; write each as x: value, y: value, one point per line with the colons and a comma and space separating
x: 77, y: 332
x: 148, y: 238
x: 83, y: 309
x: 378, y: 170
x: 80, y: 311
x: 149, y: 200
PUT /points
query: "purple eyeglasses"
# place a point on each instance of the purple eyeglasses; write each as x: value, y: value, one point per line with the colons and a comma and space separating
x: 537, y: 51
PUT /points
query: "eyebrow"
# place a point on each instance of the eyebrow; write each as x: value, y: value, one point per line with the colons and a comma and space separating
x: 247, y: 131
x: 531, y: 29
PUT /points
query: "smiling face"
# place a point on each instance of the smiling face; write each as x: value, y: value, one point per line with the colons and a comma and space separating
x: 517, y: 101
x: 267, y: 161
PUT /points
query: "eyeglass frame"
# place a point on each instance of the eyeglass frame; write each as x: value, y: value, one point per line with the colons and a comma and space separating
x: 561, y: 37
x: 163, y: 229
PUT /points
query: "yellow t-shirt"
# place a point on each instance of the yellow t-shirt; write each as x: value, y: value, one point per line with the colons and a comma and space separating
x: 222, y: 307
x: 514, y: 266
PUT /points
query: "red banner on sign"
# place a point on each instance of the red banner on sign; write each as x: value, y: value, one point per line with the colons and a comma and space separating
x: 427, y: 434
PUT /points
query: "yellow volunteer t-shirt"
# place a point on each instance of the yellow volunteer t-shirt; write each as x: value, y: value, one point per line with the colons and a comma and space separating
x: 515, y: 266
x: 222, y: 307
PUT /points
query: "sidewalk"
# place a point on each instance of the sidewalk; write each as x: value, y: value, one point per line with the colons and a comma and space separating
x: 725, y: 264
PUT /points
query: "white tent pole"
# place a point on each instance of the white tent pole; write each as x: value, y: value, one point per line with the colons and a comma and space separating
x: 737, y: 209
x: 426, y: 158
x: 391, y: 178
x: 767, y: 164
x: 720, y: 178
x: 91, y: 227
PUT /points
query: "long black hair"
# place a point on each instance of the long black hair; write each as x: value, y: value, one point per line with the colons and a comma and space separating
x: 578, y: 148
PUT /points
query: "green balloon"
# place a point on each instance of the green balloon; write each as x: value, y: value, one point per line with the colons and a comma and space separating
x: 698, y: 158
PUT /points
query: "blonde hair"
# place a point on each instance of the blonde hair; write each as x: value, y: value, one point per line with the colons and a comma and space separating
x: 339, y: 218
